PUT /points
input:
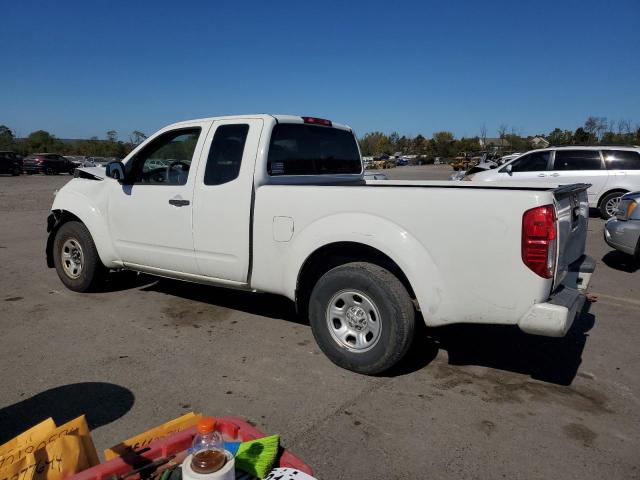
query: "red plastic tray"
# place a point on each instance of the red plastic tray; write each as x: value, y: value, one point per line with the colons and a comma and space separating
x: 230, y: 427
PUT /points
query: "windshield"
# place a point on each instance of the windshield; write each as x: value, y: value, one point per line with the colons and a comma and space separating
x: 297, y: 149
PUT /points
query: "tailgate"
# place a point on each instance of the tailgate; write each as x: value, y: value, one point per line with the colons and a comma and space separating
x: 572, y: 210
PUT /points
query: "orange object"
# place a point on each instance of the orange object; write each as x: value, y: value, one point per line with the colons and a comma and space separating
x: 206, y: 425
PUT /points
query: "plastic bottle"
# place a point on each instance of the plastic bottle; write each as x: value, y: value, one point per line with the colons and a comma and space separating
x: 207, y: 438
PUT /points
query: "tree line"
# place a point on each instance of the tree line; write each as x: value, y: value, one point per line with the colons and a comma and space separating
x: 42, y: 141
x: 595, y: 131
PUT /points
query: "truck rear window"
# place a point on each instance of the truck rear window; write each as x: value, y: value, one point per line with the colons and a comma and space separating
x: 297, y: 149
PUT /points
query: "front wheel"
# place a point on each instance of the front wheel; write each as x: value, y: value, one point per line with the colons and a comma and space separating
x: 16, y: 171
x: 76, y: 258
x: 609, y: 204
x: 362, y: 317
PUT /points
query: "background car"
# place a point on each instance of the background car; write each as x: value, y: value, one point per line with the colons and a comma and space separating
x: 622, y: 232
x: 47, y: 163
x: 10, y: 163
x: 611, y: 171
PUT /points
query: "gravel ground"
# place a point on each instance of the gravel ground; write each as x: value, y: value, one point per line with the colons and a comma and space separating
x: 469, y: 402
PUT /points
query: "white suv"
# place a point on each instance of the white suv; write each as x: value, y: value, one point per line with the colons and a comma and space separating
x: 611, y: 171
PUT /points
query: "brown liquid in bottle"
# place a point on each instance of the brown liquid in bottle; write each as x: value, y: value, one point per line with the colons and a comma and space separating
x: 208, y: 461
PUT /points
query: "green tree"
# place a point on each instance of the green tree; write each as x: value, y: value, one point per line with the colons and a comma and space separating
x: 581, y: 136
x: 42, y: 141
x: 444, y: 144
x: 6, y: 138
x: 137, y: 137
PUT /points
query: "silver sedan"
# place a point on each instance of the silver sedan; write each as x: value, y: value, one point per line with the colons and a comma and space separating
x: 622, y: 231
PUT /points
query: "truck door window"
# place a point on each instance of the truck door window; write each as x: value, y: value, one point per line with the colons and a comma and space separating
x: 167, y: 159
x: 533, y: 162
x: 622, y: 159
x: 225, y: 155
x: 297, y: 149
x: 577, y: 160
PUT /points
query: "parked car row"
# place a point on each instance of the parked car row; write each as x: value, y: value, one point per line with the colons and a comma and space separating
x: 611, y: 171
x: 47, y: 163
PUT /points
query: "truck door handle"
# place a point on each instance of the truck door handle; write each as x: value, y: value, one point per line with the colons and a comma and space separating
x: 555, y: 174
x: 542, y: 174
x: 178, y: 203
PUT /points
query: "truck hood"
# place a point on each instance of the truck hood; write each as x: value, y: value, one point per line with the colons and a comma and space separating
x: 91, y: 173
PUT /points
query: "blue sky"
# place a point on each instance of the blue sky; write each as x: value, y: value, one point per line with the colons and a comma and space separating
x: 80, y: 68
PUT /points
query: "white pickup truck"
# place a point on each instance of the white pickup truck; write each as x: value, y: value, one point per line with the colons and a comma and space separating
x: 278, y: 203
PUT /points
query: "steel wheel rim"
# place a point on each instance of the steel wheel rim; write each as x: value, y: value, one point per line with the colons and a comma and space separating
x: 612, y: 206
x: 354, y: 321
x: 72, y: 258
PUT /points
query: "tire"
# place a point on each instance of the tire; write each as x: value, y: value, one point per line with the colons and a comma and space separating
x: 16, y: 172
x: 609, y: 203
x: 76, y: 258
x: 48, y: 171
x: 372, y: 323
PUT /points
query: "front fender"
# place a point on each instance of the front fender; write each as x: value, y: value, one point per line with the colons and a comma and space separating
x: 89, y: 212
x: 397, y: 243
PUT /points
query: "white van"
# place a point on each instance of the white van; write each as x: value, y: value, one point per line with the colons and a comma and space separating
x: 611, y: 171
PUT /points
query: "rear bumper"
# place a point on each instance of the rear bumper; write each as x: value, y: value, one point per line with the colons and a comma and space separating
x: 554, y: 317
x: 622, y: 235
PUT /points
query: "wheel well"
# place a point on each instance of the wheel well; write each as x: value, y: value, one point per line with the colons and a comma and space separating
x: 56, y: 219
x: 615, y: 190
x: 335, y: 254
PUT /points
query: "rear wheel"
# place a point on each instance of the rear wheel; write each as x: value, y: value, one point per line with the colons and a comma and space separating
x: 48, y: 171
x: 362, y: 317
x: 16, y: 171
x: 76, y: 258
x: 609, y: 204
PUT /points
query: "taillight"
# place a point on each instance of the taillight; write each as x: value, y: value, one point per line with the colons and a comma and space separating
x: 539, y: 239
x: 317, y: 121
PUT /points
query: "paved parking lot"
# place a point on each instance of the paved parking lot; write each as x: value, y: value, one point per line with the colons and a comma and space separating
x: 469, y: 402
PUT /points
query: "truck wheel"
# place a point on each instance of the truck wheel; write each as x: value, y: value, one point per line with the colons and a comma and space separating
x: 362, y: 317
x: 76, y: 258
x: 609, y: 204
x: 16, y: 172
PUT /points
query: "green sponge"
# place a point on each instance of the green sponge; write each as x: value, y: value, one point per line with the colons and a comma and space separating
x: 256, y: 457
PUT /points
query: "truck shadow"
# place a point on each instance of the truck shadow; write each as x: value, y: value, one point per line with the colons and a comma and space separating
x: 554, y: 360
x: 504, y: 347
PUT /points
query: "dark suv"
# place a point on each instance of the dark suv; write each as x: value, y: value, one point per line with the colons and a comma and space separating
x: 10, y: 163
x: 47, y: 163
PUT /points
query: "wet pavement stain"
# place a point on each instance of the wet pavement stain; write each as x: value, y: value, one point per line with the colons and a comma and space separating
x: 498, y: 387
x: 580, y: 433
x: 13, y: 299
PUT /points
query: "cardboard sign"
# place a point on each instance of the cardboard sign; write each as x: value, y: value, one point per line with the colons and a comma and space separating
x: 34, y: 434
x: 55, y: 461
x: 77, y: 427
x: 144, y: 439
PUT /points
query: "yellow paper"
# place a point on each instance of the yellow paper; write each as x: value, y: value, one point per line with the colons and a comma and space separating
x: 144, y: 439
x: 34, y: 434
x: 55, y: 461
x: 76, y: 427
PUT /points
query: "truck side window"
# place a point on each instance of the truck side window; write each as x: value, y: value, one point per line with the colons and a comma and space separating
x: 225, y: 155
x: 534, y: 162
x: 577, y: 160
x: 167, y: 159
x: 622, y: 159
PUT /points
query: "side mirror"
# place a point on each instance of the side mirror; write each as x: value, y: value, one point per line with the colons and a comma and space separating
x: 509, y: 169
x: 115, y: 170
